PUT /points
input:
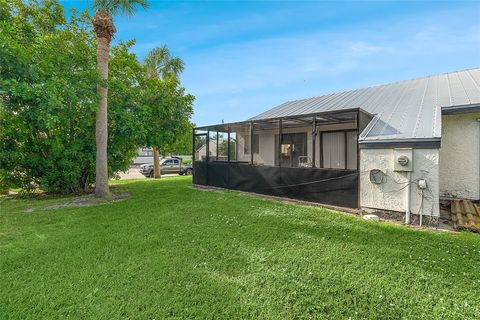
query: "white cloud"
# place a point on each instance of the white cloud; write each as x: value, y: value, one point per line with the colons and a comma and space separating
x: 365, y: 48
x: 237, y: 78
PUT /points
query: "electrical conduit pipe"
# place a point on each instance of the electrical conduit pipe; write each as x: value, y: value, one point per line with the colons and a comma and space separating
x: 407, y: 199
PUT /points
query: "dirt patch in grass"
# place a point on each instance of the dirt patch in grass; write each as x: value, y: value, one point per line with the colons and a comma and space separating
x: 85, y: 201
x: 89, y: 201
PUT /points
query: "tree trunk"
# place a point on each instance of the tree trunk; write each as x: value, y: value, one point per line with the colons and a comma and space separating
x: 156, y: 164
x: 101, y: 129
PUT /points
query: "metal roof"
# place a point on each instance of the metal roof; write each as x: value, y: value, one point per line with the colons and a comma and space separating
x: 404, y: 110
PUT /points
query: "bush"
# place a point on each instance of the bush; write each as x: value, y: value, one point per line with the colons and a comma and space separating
x: 4, y: 185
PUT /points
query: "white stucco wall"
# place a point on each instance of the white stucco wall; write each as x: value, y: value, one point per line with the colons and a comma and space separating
x: 391, y: 194
x: 460, y: 156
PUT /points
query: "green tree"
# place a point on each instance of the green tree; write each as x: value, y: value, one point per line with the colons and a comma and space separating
x: 183, y: 140
x: 223, y: 148
x: 48, y: 102
x: 161, y: 65
x: 104, y: 28
x: 167, y: 110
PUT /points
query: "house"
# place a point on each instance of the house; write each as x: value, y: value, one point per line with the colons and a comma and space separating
x: 145, y: 156
x: 213, y: 145
x: 398, y: 147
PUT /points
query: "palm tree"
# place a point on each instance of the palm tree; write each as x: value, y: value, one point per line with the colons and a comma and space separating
x: 103, y: 25
x: 160, y: 64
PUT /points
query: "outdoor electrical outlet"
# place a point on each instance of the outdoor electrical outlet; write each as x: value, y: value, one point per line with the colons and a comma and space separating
x: 422, y: 184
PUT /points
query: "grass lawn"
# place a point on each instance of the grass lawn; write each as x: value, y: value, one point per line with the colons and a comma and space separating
x: 170, y: 251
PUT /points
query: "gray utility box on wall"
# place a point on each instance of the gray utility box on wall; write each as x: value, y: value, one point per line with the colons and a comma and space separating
x: 403, y: 159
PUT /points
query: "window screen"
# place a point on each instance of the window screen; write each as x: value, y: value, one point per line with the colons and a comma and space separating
x: 351, y: 149
x: 292, y: 149
x: 255, y: 144
x: 200, y: 147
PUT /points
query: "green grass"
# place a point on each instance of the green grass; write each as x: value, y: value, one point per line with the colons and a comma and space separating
x: 170, y: 251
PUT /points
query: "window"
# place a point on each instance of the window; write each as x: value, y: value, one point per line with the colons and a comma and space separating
x: 339, y: 150
x: 292, y: 149
x: 176, y: 162
x: 246, y: 147
x: 285, y: 150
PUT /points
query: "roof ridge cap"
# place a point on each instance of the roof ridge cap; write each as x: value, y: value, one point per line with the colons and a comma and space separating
x: 383, y: 84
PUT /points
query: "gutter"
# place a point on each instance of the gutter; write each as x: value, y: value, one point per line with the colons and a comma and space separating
x: 427, y: 143
x: 466, y: 108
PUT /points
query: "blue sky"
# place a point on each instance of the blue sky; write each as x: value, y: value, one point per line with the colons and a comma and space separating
x: 243, y: 58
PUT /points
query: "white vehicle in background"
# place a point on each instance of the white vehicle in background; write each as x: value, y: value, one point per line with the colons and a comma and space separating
x: 145, y: 155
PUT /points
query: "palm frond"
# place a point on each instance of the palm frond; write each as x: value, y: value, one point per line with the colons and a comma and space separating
x: 156, y: 56
x: 116, y: 7
x: 161, y: 64
x: 175, y: 66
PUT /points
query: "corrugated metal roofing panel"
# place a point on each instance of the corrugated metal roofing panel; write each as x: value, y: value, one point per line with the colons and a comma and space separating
x: 470, y: 86
x: 459, y: 96
x: 409, y: 109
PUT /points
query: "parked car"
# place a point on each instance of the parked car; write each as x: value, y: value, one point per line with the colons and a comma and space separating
x: 167, y: 166
x: 186, y: 169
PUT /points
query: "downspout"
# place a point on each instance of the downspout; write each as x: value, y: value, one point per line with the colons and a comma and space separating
x: 407, y: 199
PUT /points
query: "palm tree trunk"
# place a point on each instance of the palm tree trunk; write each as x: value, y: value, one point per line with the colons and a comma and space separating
x: 101, y: 129
x: 156, y: 165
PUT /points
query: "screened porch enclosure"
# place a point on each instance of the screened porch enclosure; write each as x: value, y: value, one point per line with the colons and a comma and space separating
x: 309, y: 157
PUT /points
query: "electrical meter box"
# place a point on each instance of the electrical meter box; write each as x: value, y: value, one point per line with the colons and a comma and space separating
x: 403, y: 159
